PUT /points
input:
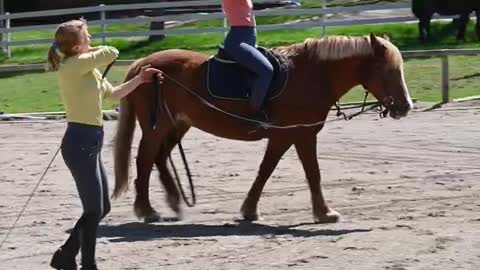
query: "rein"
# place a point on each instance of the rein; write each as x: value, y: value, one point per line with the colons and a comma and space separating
x: 345, y: 117
x: 340, y: 115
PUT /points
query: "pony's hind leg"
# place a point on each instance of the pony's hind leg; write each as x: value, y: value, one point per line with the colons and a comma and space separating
x: 147, y: 151
x: 424, y: 29
x: 173, y: 194
x: 477, y: 25
x: 462, y: 26
x: 307, y: 152
x: 274, y: 152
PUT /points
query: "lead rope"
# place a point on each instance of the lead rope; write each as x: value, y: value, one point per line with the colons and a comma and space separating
x: 29, y: 198
x: 189, y: 175
x: 158, y: 94
x: 107, y: 69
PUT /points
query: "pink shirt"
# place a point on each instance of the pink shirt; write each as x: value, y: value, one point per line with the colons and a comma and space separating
x: 239, y: 12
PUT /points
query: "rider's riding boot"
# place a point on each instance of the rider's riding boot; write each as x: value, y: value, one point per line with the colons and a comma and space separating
x: 260, y: 116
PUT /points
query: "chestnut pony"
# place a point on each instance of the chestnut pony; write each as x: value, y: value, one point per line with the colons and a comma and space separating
x: 320, y: 72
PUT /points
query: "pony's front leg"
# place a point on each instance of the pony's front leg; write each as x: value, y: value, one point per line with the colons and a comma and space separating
x: 307, y: 152
x: 147, y: 152
x: 275, y: 150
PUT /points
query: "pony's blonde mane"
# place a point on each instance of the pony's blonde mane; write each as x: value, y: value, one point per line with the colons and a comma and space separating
x: 340, y: 47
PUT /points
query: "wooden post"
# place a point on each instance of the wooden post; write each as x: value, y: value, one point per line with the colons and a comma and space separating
x: 103, y: 17
x: 225, y: 27
x: 7, y: 26
x: 2, y: 24
x: 445, y: 79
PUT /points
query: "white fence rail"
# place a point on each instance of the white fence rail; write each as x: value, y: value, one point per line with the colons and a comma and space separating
x: 102, y: 10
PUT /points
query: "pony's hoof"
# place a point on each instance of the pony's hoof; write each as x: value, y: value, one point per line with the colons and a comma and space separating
x: 153, y: 217
x: 331, y: 216
x: 180, y: 215
x: 249, y: 211
x: 174, y: 204
x: 251, y: 216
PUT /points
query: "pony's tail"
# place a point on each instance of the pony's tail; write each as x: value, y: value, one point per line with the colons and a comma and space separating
x: 123, y: 140
x: 123, y: 146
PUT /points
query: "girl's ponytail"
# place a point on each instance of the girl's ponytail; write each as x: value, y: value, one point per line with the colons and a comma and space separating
x: 68, y: 35
x: 54, y: 58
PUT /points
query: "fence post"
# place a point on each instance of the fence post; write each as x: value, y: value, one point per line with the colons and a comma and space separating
x: 324, y: 20
x: 2, y: 25
x: 2, y: 35
x: 445, y: 79
x: 103, y: 17
x: 225, y: 27
x: 7, y: 27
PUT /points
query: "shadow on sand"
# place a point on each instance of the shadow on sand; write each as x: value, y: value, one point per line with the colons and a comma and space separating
x: 132, y: 232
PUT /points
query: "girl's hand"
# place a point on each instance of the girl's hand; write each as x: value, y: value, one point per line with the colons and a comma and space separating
x: 147, y: 73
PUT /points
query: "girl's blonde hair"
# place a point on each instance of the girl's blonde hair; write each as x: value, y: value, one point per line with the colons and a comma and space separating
x: 67, y: 36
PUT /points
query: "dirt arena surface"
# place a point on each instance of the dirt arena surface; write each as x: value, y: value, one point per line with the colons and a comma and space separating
x: 408, y: 190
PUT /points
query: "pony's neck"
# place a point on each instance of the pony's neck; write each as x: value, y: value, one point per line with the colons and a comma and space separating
x: 335, y: 78
x: 332, y: 65
x: 352, y: 70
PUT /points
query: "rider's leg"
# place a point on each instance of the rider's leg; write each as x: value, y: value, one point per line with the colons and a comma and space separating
x: 240, y: 43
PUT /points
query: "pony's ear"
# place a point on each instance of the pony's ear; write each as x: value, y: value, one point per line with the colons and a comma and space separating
x: 385, y: 36
x: 377, y: 46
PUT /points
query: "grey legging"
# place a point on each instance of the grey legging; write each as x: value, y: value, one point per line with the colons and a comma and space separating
x: 240, y: 44
x: 81, y: 147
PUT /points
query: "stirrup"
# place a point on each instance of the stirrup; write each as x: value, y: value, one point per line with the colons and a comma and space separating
x: 260, y: 119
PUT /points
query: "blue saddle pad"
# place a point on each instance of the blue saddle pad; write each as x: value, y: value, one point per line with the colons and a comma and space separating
x: 227, y: 79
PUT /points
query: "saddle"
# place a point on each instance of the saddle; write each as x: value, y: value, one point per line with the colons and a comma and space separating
x: 227, y: 79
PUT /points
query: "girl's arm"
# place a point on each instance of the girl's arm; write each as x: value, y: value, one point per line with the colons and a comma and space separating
x: 146, y: 75
x: 98, y: 56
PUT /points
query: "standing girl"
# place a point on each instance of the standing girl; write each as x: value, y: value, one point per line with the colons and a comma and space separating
x: 83, y: 90
x: 240, y: 43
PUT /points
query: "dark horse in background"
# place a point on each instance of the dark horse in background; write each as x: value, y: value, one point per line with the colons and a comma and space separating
x: 321, y: 71
x: 424, y: 10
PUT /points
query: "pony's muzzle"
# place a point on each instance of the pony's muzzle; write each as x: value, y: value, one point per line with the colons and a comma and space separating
x: 395, y: 108
x: 400, y: 110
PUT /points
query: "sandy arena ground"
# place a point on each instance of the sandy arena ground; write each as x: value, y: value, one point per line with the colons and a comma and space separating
x: 408, y: 190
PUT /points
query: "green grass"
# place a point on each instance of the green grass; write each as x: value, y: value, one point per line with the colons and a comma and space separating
x: 28, y: 92
x: 38, y: 91
x: 423, y: 77
x: 402, y: 35
x: 332, y: 3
